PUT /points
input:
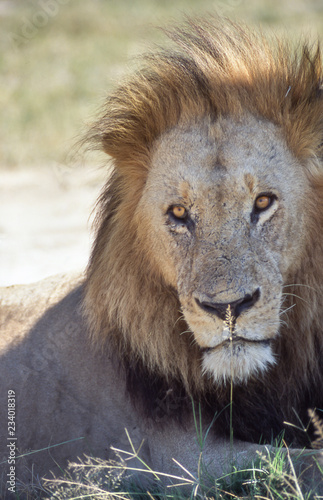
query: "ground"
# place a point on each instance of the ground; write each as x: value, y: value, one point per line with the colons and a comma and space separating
x: 45, y: 221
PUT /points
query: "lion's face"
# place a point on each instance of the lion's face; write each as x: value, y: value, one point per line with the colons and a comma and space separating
x: 223, y: 211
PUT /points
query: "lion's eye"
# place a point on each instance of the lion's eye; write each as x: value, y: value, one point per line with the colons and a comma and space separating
x: 263, y: 202
x: 179, y: 220
x: 179, y: 212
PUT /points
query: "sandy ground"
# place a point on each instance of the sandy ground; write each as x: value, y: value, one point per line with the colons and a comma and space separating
x: 45, y: 221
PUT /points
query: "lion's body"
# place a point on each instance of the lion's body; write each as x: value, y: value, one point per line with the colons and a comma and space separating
x: 207, y: 265
x: 55, y: 378
x: 71, y: 400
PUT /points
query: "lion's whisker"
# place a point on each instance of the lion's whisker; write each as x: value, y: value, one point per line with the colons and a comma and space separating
x: 180, y: 318
x: 301, y: 284
x: 297, y: 296
x: 186, y: 331
x: 283, y: 311
x: 283, y: 323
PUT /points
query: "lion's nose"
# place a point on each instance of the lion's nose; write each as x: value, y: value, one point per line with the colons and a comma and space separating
x: 221, y: 309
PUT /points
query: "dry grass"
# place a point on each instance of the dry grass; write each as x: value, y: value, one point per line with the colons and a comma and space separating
x: 268, y: 477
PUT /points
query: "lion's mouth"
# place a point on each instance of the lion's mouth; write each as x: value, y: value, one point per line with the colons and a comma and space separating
x: 234, y: 341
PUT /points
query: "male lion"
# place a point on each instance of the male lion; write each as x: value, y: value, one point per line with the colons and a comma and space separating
x: 207, y: 269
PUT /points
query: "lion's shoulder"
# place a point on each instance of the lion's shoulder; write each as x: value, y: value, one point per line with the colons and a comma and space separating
x: 47, y: 290
x: 22, y: 306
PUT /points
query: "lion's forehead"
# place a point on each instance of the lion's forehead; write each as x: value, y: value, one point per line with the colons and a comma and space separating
x: 218, y: 160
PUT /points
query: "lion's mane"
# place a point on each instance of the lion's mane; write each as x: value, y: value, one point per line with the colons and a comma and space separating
x: 217, y: 69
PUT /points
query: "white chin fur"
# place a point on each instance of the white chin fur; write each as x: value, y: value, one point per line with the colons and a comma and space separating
x: 238, y: 363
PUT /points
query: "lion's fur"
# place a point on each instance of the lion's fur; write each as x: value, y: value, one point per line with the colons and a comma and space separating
x: 133, y: 336
x: 217, y: 70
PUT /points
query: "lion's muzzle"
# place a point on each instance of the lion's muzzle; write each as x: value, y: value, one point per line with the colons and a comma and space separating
x: 235, y: 308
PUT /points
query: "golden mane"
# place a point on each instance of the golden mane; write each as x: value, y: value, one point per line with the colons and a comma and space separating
x: 217, y: 69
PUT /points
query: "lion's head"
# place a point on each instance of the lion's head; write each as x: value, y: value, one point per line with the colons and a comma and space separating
x: 208, y: 262
x: 224, y: 218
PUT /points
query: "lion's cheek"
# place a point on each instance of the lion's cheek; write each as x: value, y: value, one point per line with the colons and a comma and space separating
x: 155, y: 251
x: 207, y: 333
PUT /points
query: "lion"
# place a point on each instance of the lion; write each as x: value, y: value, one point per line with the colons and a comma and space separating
x: 205, y: 282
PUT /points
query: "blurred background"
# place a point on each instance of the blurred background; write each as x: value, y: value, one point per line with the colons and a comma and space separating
x: 58, y: 60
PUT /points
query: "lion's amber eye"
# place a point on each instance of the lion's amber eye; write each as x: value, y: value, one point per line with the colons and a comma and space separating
x: 263, y: 202
x: 179, y: 212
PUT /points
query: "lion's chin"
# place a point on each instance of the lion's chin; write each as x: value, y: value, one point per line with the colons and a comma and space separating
x: 238, y: 361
